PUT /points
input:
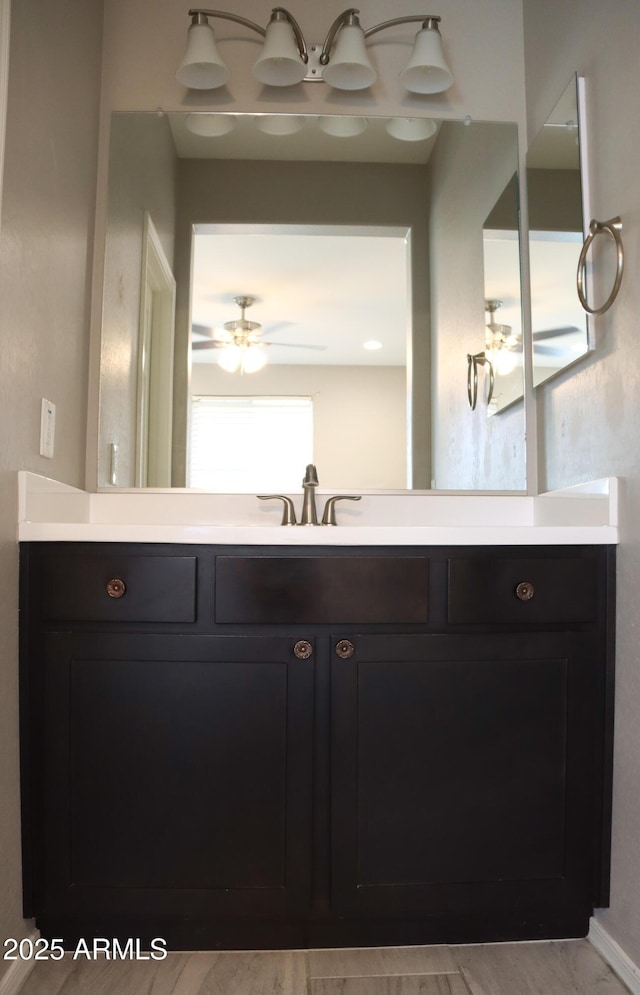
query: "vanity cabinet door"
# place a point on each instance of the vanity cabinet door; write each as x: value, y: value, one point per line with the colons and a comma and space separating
x: 463, y: 775
x: 177, y: 775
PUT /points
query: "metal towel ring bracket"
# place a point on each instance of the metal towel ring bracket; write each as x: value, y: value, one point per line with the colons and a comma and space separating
x: 479, y: 359
x: 613, y: 228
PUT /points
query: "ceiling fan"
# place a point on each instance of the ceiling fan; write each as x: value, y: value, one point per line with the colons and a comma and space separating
x: 241, y: 341
x: 502, y: 341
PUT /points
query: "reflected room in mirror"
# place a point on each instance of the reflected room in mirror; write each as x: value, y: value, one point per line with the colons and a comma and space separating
x: 555, y: 194
x: 357, y: 248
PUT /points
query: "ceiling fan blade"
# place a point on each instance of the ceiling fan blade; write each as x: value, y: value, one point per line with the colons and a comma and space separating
x: 555, y: 333
x: 549, y: 350
x: 296, y: 345
x: 211, y: 344
x: 204, y: 330
x: 276, y: 326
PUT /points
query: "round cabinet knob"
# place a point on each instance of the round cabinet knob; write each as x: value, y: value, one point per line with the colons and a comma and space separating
x: 303, y: 649
x: 116, y: 588
x: 525, y: 591
x: 345, y: 649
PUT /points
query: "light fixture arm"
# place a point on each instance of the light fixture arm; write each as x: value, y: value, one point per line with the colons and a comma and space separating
x: 349, y: 16
x: 429, y: 21
x: 199, y: 15
x: 297, y: 30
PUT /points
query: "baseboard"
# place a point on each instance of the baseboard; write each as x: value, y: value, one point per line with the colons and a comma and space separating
x: 616, y: 958
x: 12, y: 980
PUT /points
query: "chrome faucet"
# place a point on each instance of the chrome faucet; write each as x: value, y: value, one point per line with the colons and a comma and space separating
x: 309, y: 510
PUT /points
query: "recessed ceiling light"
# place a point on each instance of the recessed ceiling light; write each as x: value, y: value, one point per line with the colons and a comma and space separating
x: 372, y: 345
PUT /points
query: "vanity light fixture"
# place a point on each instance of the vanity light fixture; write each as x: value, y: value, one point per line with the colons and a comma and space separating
x: 342, y: 62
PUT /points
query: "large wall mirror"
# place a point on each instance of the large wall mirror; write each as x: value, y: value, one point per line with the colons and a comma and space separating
x: 358, y: 248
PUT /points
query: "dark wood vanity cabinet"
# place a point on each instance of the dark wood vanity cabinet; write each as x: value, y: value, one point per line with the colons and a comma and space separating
x: 320, y: 746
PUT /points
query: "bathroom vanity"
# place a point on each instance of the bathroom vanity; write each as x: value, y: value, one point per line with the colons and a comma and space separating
x: 313, y: 743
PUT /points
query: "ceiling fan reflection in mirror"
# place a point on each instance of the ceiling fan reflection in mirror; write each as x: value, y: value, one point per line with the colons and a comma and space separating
x: 242, y: 346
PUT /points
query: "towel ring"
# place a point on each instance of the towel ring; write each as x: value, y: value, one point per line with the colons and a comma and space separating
x: 480, y: 358
x: 613, y: 228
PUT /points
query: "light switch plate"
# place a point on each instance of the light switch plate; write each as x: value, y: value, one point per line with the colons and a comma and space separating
x: 47, y: 428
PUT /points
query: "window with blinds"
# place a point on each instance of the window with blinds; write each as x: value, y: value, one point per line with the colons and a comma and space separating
x: 250, y: 444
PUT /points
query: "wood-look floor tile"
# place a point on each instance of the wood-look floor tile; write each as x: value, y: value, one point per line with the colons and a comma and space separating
x: 569, y: 967
x: 250, y: 973
x: 425, y: 984
x: 106, y: 977
x: 380, y: 961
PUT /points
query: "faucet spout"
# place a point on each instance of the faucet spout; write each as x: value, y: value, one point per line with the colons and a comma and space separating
x: 309, y: 483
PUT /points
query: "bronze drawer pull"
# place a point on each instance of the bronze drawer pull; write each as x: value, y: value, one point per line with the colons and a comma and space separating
x: 345, y: 649
x: 525, y: 591
x: 303, y: 649
x: 116, y: 588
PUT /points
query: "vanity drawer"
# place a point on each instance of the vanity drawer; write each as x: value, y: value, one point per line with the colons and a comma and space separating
x: 496, y: 590
x: 156, y: 588
x: 316, y: 589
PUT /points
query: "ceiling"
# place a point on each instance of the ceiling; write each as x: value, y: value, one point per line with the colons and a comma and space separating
x: 335, y: 288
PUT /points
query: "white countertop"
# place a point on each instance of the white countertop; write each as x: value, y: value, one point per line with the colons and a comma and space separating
x: 584, y: 514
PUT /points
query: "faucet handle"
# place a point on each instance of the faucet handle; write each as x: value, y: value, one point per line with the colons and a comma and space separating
x: 329, y: 514
x: 288, y: 510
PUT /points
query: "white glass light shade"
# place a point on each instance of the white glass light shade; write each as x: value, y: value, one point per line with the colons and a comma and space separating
x: 210, y: 125
x: 427, y: 70
x: 349, y: 67
x: 279, y: 124
x: 342, y: 126
x: 280, y: 63
x: 504, y: 361
x: 229, y: 358
x: 254, y: 358
x: 202, y: 68
x: 411, y: 129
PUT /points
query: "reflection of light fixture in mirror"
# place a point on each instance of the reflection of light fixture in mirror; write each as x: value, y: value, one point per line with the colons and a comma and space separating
x: 372, y: 345
x: 343, y: 61
x: 411, y: 129
x: 240, y: 350
x: 342, y: 126
x: 210, y: 125
x: 279, y: 124
x: 500, y: 341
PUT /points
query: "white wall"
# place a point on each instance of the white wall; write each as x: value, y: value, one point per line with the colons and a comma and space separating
x: 45, y: 259
x: 591, y: 415
x: 359, y: 417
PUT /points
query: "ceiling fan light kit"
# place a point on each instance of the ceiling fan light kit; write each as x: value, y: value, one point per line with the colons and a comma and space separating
x: 240, y: 342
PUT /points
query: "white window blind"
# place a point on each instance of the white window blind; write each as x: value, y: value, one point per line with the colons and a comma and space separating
x: 250, y: 444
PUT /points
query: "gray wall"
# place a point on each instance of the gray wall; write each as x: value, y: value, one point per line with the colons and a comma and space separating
x: 590, y: 416
x: 142, y: 178
x: 245, y: 192
x: 45, y: 256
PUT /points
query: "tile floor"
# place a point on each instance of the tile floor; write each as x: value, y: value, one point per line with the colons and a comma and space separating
x: 567, y: 967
